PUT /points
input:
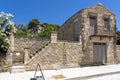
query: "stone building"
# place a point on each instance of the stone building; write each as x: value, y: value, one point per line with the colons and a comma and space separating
x: 94, y: 27
x: 37, y: 29
x: 86, y: 38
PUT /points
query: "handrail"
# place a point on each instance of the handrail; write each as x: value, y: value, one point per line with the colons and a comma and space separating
x: 36, y: 55
x: 41, y: 45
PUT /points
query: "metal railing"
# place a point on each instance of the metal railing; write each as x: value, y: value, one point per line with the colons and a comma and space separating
x: 102, y: 32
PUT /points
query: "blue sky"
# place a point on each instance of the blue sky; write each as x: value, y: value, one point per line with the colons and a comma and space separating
x: 52, y: 11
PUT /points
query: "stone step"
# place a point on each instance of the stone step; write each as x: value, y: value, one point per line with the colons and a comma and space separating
x: 15, y: 69
x: 41, y: 49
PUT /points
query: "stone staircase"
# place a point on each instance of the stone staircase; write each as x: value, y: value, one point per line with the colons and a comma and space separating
x: 33, y: 50
x: 16, y: 69
x: 37, y: 47
x: 38, y: 53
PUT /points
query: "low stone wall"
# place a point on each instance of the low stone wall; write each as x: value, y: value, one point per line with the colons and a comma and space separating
x: 22, y: 42
x: 61, y: 54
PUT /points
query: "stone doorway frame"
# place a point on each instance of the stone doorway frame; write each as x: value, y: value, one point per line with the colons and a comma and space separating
x: 18, y: 58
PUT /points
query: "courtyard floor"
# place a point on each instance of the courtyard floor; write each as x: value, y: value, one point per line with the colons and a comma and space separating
x: 106, y: 72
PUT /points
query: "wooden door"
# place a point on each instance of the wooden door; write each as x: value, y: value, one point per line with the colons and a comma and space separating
x: 99, y: 53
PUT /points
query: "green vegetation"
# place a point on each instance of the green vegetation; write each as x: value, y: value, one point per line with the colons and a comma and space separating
x: 33, y: 23
x: 6, y: 29
x: 31, y: 29
x: 47, y: 28
x: 118, y: 37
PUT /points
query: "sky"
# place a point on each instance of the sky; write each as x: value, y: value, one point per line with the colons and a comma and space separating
x: 53, y: 11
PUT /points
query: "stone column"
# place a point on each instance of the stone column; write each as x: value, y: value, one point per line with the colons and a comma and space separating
x: 54, y: 37
x: 26, y: 56
x: 12, y: 42
x: 10, y: 51
x: 110, y: 52
x: 9, y: 56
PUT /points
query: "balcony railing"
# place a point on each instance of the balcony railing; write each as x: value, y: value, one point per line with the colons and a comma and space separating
x: 101, y: 32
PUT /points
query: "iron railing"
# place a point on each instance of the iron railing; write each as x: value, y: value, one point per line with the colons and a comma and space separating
x: 102, y: 32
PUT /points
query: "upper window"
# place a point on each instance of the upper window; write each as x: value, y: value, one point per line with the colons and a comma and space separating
x: 75, y: 30
x: 93, y: 21
x: 106, y: 24
x: 76, y: 25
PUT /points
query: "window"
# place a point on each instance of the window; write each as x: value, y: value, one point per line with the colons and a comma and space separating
x: 93, y: 21
x: 75, y: 29
x: 106, y: 24
x: 63, y: 34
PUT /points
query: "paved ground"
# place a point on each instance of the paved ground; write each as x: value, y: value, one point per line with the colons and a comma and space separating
x: 107, y: 72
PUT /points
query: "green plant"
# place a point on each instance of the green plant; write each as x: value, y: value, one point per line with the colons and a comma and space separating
x: 118, y: 37
x: 6, y: 29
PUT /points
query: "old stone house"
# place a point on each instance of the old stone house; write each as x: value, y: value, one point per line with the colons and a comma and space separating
x: 37, y: 29
x: 94, y: 28
x: 86, y: 38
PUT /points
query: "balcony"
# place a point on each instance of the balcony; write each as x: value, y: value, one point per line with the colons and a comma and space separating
x: 102, y: 32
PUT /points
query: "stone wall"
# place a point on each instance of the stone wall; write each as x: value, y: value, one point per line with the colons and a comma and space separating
x: 118, y: 53
x: 100, y: 34
x: 21, y: 42
x: 61, y: 54
x: 18, y: 58
x: 98, y: 11
x: 66, y: 31
x: 109, y: 48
